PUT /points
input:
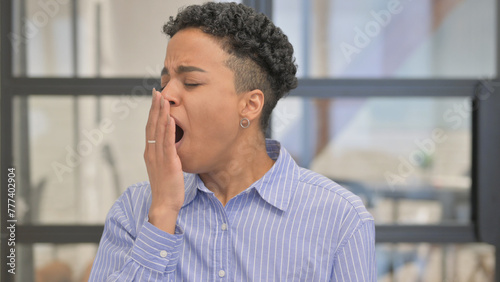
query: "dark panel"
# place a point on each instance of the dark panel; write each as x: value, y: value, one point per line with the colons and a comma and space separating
x: 60, y: 234
x: 6, y: 126
x: 261, y: 6
x: 497, y: 264
x: 383, y: 87
x: 385, y: 233
x: 488, y: 162
x: 430, y: 234
x: 306, y: 88
x: 83, y: 86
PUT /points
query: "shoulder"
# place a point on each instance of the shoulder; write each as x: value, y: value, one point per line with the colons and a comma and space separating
x: 334, y: 195
x: 345, y: 213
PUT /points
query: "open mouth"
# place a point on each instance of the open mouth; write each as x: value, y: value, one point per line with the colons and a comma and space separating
x: 179, y: 133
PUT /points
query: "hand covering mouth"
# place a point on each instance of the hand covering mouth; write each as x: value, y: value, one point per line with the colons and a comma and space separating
x: 179, y: 133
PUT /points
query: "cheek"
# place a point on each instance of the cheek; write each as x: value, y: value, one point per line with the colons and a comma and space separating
x: 217, y: 119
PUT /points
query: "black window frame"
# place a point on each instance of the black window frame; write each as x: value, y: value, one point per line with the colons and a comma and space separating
x: 485, y: 195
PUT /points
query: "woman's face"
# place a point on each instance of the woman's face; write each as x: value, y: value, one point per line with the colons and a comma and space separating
x: 203, y: 100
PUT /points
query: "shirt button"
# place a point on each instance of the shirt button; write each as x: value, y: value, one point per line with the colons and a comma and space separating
x: 222, y: 273
x: 224, y: 227
x: 163, y: 254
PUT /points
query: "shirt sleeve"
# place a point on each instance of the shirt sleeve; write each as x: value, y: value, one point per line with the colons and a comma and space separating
x: 355, y: 260
x: 131, y: 248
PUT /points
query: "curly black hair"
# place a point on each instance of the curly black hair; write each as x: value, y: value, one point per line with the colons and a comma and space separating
x: 261, y: 56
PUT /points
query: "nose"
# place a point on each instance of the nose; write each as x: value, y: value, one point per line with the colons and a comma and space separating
x: 170, y: 94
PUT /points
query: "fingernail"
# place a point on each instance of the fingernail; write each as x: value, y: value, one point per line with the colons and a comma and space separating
x: 162, y: 102
x: 154, y: 91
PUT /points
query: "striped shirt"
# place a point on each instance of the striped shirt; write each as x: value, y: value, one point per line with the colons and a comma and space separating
x: 291, y: 225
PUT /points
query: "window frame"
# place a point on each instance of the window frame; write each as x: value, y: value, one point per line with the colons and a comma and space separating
x: 483, y: 226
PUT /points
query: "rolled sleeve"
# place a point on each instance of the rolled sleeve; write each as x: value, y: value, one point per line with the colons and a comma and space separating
x: 157, y: 249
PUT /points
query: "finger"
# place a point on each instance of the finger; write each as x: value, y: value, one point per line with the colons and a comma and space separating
x: 154, y: 111
x: 161, y: 128
x: 169, y: 137
x: 153, y: 116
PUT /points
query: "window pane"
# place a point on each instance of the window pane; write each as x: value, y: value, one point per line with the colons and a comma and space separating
x: 83, y: 152
x: 381, y: 39
x: 114, y: 38
x: 432, y: 262
x: 54, y: 262
x: 408, y: 158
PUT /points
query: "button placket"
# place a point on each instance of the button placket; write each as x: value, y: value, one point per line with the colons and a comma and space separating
x: 222, y: 273
x: 222, y: 240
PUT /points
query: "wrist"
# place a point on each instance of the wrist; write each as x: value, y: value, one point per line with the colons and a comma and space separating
x: 164, y: 219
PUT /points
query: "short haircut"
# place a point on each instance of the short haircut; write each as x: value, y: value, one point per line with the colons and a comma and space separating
x: 260, y: 54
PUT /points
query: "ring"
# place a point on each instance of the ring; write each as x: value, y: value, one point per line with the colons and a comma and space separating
x: 151, y: 141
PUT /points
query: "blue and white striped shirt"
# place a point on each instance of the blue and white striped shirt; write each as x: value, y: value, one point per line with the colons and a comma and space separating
x: 291, y: 225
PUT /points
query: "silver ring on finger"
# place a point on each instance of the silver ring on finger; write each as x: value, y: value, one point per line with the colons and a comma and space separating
x: 151, y: 141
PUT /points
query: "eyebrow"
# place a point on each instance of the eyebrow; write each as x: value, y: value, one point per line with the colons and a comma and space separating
x: 182, y: 69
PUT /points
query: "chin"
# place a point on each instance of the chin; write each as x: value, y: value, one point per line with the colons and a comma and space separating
x: 188, y: 164
x: 193, y: 165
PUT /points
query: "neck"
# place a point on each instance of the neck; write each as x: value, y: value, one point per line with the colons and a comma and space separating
x: 247, y: 163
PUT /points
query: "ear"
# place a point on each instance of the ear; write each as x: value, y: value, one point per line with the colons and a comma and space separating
x: 251, y: 104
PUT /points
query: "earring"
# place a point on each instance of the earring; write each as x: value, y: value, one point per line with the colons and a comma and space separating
x: 244, y: 122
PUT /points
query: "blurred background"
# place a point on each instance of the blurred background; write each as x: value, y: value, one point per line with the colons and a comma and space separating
x: 384, y: 107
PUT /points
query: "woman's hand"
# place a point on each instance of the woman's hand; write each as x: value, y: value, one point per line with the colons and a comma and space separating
x: 163, y: 166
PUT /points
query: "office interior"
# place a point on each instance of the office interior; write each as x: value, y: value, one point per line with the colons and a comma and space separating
x: 398, y: 101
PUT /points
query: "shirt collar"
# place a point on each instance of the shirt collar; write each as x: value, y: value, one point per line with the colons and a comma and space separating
x: 275, y: 187
x: 278, y: 184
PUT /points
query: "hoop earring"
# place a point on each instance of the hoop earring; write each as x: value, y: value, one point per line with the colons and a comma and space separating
x: 244, y: 122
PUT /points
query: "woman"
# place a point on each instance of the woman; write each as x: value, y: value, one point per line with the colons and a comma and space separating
x: 223, y: 202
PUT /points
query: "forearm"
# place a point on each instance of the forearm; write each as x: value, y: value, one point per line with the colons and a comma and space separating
x: 131, y: 248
